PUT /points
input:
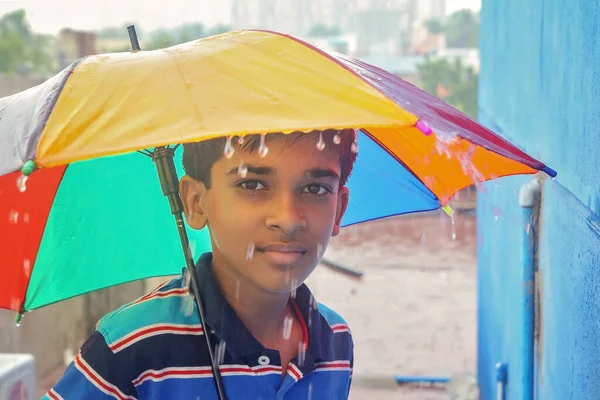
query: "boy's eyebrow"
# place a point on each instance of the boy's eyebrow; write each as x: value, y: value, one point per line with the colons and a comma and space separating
x: 316, y: 173
x: 253, y: 169
x: 313, y: 173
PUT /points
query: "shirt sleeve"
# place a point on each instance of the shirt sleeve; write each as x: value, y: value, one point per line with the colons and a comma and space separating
x: 96, y: 374
x: 351, y: 365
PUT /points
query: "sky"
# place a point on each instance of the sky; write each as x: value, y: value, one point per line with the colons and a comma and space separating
x: 49, y: 16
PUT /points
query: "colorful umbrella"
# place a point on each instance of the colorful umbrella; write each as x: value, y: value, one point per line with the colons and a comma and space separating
x: 91, y: 214
x: 84, y: 208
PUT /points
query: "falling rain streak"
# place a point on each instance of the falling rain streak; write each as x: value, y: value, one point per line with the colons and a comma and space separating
x: 242, y: 170
x: 287, y: 327
x: 22, y: 183
x: 263, y: 150
x: 250, y: 251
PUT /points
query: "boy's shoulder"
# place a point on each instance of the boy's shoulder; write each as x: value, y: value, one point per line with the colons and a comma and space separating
x: 335, y: 321
x: 168, y: 308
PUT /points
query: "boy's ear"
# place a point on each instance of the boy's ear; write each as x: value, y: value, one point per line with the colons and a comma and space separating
x: 193, y: 194
x: 342, y: 205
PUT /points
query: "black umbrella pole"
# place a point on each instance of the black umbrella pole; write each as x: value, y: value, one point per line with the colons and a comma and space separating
x: 167, y: 174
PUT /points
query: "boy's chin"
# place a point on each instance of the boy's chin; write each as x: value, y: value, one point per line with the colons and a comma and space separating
x: 282, y: 280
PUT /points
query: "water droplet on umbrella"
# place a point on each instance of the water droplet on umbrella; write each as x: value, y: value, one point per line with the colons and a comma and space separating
x: 320, y: 143
x: 287, y: 327
x: 228, y: 151
x: 294, y: 287
x: 354, y: 147
x: 13, y: 216
x: 242, y: 170
x: 263, y: 150
x: 27, y: 268
x: 250, y: 251
x: 22, y: 183
x: 337, y: 139
x: 26, y: 218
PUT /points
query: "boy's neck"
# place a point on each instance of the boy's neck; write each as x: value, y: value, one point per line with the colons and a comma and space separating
x: 261, y: 312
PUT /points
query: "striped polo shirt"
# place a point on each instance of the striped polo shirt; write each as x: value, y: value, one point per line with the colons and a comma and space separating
x: 152, y: 348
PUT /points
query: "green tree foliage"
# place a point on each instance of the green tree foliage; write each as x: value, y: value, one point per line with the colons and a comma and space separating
x: 451, y: 81
x: 23, y: 50
x: 434, y: 26
x: 321, y: 31
x: 462, y: 29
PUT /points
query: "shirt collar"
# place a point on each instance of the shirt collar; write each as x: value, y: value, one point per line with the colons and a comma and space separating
x: 222, y: 318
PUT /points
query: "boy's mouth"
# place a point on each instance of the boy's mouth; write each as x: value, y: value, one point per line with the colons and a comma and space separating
x: 283, y: 254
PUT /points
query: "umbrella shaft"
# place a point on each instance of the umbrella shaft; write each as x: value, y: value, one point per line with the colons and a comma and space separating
x: 163, y: 157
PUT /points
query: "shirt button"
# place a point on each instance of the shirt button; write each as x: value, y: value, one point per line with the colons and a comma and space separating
x: 264, y: 360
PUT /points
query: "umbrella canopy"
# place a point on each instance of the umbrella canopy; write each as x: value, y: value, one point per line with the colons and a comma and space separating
x: 92, y: 215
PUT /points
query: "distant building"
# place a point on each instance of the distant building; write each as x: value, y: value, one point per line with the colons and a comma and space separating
x: 72, y: 45
x: 373, y: 21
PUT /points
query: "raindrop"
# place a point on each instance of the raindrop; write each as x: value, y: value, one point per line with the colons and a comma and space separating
x: 187, y: 305
x: 294, y: 287
x: 453, y: 222
x: 354, y: 147
x: 241, y: 140
x: 301, y: 353
x: 26, y: 218
x: 337, y: 139
x: 220, y: 353
x: 287, y: 327
x: 263, y: 150
x: 18, y: 324
x: 250, y: 251
x: 27, y: 268
x: 13, y: 217
x: 319, y: 250
x: 228, y: 152
x: 320, y: 143
x: 237, y: 289
x: 22, y: 183
x: 242, y: 170
x: 309, y: 391
x: 496, y: 212
x: 423, y: 238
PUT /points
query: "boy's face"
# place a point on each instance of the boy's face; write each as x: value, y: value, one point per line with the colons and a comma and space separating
x: 272, y: 226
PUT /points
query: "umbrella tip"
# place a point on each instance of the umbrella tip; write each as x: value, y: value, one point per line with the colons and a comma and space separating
x: 552, y: 173
x: 28, y: 168
x: 133, y: 39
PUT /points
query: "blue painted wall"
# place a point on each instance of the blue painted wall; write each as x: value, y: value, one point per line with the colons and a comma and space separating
x: 540, y: 88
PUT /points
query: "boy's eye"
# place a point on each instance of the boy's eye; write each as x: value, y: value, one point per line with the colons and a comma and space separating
x: 251, y: 185
x: 316, y: 189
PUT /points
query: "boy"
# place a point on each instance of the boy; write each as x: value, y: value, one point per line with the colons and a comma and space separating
x: 271, y: 205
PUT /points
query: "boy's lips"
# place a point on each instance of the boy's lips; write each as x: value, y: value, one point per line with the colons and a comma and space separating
x: 283, y: 253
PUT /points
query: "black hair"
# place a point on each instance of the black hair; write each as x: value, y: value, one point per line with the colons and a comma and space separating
x: 199, y: 157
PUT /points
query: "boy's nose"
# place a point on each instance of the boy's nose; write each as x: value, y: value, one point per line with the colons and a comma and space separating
x: 285, y: 216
